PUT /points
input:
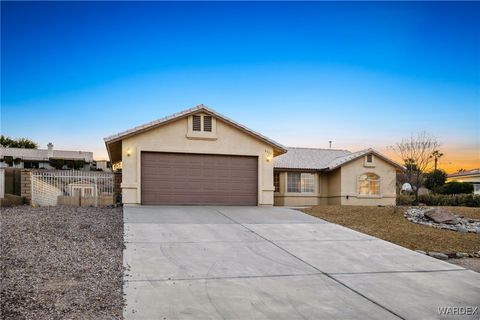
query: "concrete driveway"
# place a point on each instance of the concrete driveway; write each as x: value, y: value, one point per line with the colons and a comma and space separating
x: 277, y: 263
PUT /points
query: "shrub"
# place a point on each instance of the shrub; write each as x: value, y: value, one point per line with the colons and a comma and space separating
x: 466, y: 200
x: 8, y: 160
x: 455, y: 187
x: 435, y: 179
x: 78, y: 164
x: 405, y: 200
x: 57, y: 163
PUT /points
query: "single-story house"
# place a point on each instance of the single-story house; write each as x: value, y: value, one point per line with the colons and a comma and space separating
x: 472, y: 176
x: 41, y: 158
x: 307, y: 176
x: 200, y: 157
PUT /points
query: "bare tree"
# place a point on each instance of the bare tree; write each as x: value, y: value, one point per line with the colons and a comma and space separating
x: 417, y: 154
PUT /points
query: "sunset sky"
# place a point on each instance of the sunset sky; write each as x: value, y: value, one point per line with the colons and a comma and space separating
x: 359, y: 74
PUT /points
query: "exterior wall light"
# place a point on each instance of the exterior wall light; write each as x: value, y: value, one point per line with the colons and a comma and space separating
x: 129, y: 152
x: 268, y: 156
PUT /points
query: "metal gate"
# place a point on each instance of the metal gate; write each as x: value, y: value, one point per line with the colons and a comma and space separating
x: 72, y: 187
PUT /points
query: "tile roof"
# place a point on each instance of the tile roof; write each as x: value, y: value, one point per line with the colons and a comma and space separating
x: 44, y: 154
x: 349, y: 157
x: 467, y: 173
x: 201, y: 107
x: 308, y: 158
x: 322, y: 159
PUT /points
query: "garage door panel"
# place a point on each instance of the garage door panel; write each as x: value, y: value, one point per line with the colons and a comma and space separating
x: 169, y: 178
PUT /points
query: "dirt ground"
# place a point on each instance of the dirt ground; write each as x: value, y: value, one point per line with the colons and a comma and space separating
x: 388, y: 223
x: 61, y: 263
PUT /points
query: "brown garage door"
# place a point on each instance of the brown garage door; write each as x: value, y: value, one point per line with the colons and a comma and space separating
x: 198, y: 179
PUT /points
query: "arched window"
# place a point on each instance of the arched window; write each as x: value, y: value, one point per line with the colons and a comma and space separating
x: 369, y: 185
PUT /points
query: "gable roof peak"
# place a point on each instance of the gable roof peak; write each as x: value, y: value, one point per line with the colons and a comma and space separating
x: 162, y: 121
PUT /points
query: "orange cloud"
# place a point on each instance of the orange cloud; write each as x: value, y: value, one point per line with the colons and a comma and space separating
x: 454, y: 158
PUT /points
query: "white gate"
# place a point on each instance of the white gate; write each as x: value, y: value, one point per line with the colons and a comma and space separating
x: 62, y: 187
x: 2, y: 183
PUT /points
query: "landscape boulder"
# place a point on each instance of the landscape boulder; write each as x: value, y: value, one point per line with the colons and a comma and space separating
x: 438, y: 255
x: 441, y: 215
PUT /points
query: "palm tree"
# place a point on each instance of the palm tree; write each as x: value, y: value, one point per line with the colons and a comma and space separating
x: 436, y: 154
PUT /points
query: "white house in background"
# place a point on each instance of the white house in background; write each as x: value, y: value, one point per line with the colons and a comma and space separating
x: 103, y: 165
x: 40, y: 158
x: 472, y: 176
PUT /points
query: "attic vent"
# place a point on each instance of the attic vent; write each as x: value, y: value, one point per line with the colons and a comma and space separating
x: 197, y: 124
x: 207, y: 123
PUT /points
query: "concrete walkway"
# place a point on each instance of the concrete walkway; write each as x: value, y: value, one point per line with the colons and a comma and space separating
x: 277, y: 263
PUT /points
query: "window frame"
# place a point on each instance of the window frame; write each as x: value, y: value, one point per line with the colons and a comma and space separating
x: 311, y: 182
x: 302, y: 186
x: 371, y: 182
x: 276, y: 181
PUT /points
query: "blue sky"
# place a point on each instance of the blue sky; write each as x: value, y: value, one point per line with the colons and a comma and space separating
x: 360, y: 74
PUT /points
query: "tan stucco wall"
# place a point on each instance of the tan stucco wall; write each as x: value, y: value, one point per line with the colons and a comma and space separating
x: 350, y: 173
x: 172, y: 137
x: 333, y: 187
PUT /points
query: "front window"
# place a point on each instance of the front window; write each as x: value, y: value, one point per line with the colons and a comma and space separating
x: 369, y: 184
x: 276, y: 181
x: 300, y: 182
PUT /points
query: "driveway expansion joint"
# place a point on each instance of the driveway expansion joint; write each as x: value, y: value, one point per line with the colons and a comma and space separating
x: 393, y: 272
x: 227, y: 278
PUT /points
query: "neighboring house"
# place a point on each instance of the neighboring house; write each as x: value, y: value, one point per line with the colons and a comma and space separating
x: 40, y: 158
x: 200, y: 157
x: 103, y: 165
x: 307, y: 176
x: 472, y: 176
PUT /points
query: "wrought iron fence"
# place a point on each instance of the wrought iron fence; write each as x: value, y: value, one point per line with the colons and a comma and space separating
x: 72, y: 187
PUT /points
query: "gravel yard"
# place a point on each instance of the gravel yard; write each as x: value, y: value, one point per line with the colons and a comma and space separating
x: 61, y: 263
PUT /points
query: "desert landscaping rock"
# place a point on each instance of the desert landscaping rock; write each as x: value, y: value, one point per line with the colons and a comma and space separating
x: 441, y: 215
x: 442, y: 219
x: 61, y: 263
x: 438, y: 255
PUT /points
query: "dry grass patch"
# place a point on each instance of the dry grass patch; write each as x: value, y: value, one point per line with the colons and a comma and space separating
x: 388, y: 223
